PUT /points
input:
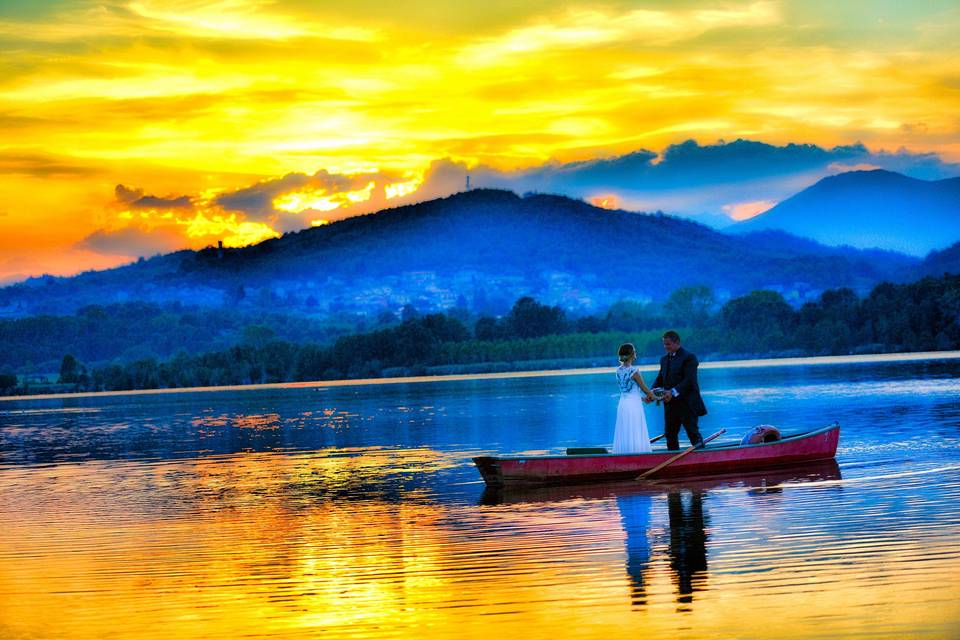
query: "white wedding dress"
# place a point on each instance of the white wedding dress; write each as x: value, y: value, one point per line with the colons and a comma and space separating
x: 631, y: 434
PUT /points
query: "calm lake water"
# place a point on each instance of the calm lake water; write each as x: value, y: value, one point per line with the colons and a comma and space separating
x: 356, y: 512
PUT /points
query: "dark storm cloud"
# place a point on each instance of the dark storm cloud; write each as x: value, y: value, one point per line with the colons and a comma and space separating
x: 132, y: 241
x: 689, y: 164
x: 135, y: 199
x: 257, y: 201
x: 700, y: 181
x: 126, y: 194
x: 708, y: 183
x: 153, y: 202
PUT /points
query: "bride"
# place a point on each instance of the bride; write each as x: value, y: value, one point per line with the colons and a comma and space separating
x: 631, y: 434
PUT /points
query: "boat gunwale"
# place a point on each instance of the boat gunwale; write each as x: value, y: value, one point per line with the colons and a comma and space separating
x: 726, y: 447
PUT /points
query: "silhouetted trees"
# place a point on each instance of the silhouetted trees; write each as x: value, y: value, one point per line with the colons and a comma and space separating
x: 408, y: 312
x: 530, y: 319
x: 135, y: 330
x: 631, y: 315
x: 527, y: 319
x: 759, y: 321
x: 690, y: 306
x: 69, y: 369
x: 8, y: 383
x: 924, y: 315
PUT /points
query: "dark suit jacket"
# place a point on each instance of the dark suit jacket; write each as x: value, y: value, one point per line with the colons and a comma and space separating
x: 680, y: 373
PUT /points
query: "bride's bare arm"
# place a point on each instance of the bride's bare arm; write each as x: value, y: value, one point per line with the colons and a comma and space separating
x: 643, y: 385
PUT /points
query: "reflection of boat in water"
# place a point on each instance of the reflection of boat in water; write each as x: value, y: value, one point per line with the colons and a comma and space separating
x: 687, y: 515
x: 820, y: 444
x: 761, y: 481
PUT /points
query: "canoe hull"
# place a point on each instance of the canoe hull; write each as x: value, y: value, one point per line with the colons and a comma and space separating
x: 757, y: 482
x: 546, y: 470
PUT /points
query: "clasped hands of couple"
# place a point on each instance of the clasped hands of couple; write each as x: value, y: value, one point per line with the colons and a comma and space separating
x: 658, y: 395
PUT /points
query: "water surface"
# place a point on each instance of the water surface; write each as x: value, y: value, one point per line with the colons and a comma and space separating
x: 355, y: 511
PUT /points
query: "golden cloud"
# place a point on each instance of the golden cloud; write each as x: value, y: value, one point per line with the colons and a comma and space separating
x: 196, y: 96
x: 584, y: 28
x: 240, y: 19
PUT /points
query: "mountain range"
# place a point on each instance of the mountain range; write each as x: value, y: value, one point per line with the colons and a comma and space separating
x: 870, y: 209
x: 485, y: 248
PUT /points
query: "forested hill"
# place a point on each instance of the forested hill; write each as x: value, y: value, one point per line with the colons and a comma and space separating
x: 501, y: 233
x: 476, y: 239
x: 941, y: 262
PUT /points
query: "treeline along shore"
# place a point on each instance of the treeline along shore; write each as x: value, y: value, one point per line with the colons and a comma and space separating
x: 920, y: 316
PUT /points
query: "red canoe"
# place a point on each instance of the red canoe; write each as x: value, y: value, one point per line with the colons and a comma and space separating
x: 759, y: 482
x: 544, y: 470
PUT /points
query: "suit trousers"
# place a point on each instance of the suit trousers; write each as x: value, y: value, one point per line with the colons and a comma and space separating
x: 677, y: 416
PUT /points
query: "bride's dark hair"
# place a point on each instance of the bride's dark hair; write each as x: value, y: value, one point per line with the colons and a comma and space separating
x: 626, y: 351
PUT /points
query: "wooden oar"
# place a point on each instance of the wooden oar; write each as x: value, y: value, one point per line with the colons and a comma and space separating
x: 646, y: 474
x: 652, y: 440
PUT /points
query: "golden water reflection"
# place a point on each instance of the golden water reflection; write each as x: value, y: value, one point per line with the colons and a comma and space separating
x: 345, y: 543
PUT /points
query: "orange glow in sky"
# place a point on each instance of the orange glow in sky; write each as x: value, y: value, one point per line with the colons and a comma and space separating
x: 747, y: 210
x: 605, y: 202
x: 320, y: 200
x: 188, y: 97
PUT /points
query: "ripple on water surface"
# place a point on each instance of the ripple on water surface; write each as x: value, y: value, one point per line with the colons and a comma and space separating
x: 358, y: 514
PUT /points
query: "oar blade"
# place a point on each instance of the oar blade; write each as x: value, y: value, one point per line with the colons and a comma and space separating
x: 647, y: 474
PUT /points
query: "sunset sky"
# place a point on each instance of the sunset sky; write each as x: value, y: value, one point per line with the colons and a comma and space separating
x: 131, y: 127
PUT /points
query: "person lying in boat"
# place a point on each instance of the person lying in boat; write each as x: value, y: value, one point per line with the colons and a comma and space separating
x: 630, y: 434
x: 682, y: 404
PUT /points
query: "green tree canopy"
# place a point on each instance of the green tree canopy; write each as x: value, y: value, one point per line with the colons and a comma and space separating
x: 757, y: 322
x: 530, y: 319
x: 69, y: 369
x: 631, y: 315
x: 690, y: 306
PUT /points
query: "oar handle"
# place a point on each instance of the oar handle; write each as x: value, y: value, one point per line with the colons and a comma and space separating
x: 646, y: 474
x: 652, y: 440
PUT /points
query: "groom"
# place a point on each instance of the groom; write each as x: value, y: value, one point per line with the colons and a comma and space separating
x: 682, y: 404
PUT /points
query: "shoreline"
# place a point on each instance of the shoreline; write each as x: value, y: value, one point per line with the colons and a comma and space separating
x: 320, y: 384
